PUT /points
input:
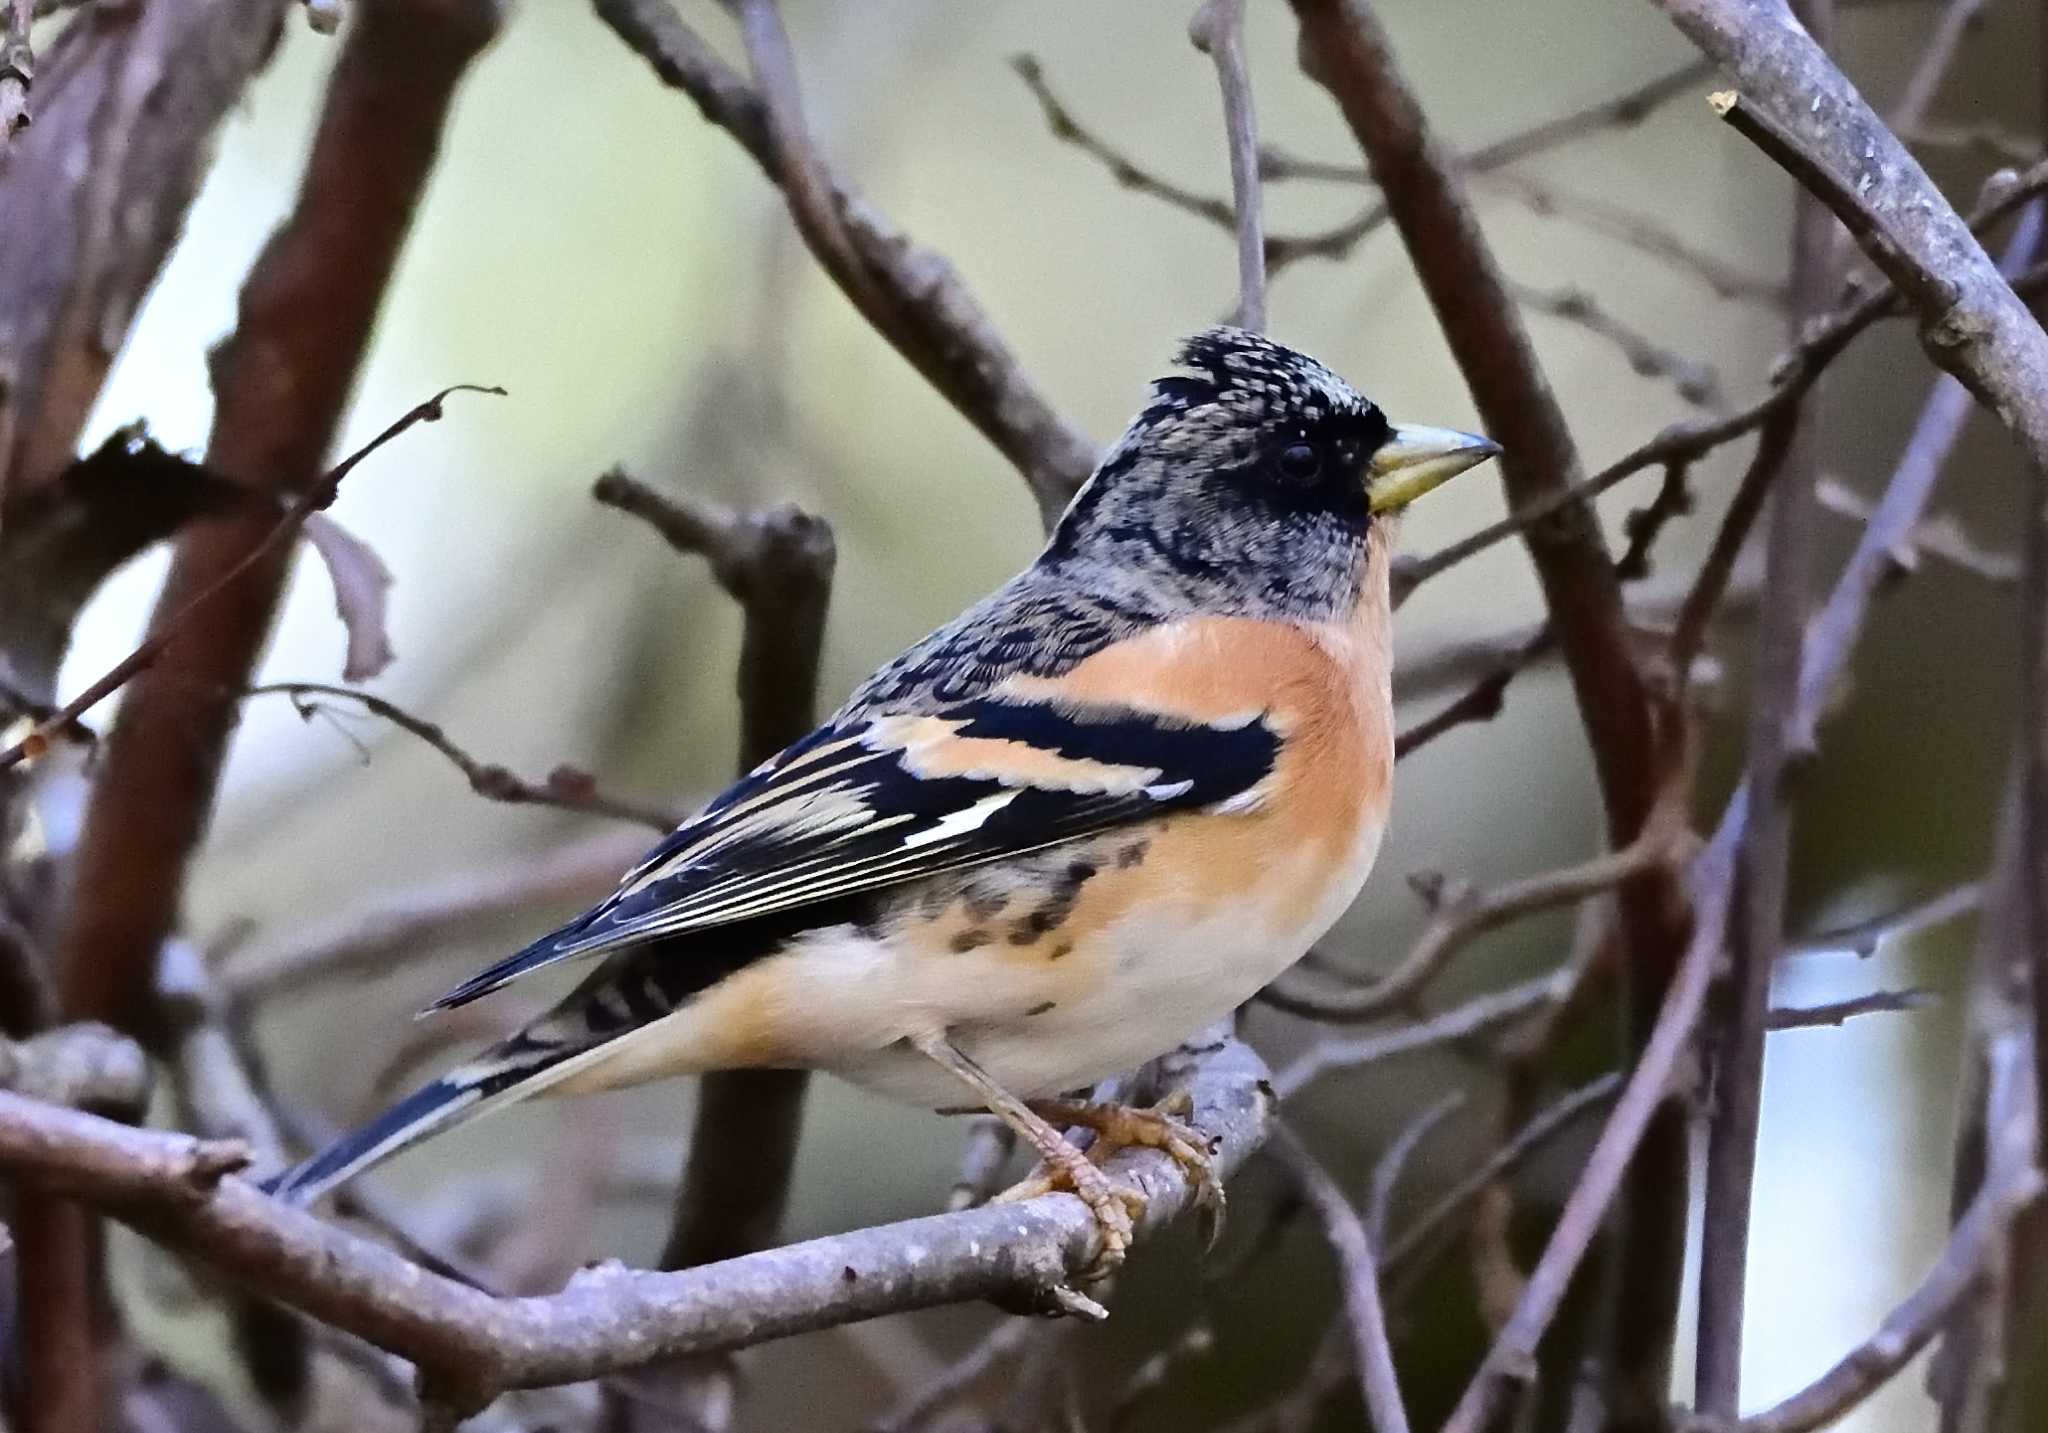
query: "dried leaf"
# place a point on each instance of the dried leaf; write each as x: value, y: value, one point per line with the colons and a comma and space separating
x: 362, y: 586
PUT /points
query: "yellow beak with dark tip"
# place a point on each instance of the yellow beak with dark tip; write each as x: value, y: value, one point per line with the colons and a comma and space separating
x: 1415, y: 459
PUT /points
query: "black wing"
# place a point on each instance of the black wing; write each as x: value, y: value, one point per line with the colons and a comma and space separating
x: 879, y: 800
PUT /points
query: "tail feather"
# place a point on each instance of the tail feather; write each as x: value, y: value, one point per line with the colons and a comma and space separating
x: 543, y: 952
x: 503, y: 1075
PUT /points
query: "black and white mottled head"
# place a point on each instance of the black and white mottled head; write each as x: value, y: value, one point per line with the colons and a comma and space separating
x: 1252, y: 480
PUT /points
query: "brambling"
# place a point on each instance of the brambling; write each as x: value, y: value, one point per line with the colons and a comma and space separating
x: 1091, y: 815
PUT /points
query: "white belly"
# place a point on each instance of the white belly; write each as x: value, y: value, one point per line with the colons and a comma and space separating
x: 1130, y: 994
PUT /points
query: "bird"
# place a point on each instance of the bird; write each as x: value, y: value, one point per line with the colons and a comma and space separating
x: 1093, y: 814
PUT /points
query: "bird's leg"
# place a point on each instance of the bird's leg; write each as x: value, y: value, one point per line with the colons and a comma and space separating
x: 1114, y: 1205
x: 1160, y: 1127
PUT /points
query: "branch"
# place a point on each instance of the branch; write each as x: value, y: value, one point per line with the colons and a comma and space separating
x: 1864, y: 937
x: 1832, y: 634
x: 1218, y: 32
x: 1794, y: 372
x: 1909, y: 1327
x: 1734, y: 1046
x: 1275, y: 165
x: 87, y: 1067
x: 1512, y: 1358
x: 912, y: 296
x: 1797, y: 107
x: 470, y: 1345
x: 777, y: 564
x: 1460, y: 1022
x: 1462, y: 915
x: 565, y: 788
x: 1360, y: 1280
x: 1824, y: 654
x: 128, y: 99
x: 1060, y: 121
x: 1479, y: 702
x: 1639, y: 231
x: 1344, y: 48
x: 1696, y: 382
x: 1838, y: 1012
x: 185, y: 614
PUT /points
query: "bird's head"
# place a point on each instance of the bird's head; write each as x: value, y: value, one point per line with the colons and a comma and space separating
x: 1253, y: 462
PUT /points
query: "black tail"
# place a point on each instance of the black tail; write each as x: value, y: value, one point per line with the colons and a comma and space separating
x: 524, y: 1065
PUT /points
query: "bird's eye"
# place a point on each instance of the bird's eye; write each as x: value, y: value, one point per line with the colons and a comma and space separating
x: 1300, y: 462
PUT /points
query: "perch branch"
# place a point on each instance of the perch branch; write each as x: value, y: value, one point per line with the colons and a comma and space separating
x: 470, y: 1345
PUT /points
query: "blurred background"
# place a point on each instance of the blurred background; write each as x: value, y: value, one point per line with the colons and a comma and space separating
x: 625, y: 272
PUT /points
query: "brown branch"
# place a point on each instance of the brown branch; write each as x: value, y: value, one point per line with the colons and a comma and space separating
x: 1359, y: 1278
x: 912, y: 296
x: 566, y: 788
x: 1479, y: 702
x: 1218, y: 32
x: 470, y: 1345
x: 777, y: 564
x: 128, y: 98
x: 180, y: 617
x: 1064, y: 127
x: 1344, y: 48
x: 1826, y: 651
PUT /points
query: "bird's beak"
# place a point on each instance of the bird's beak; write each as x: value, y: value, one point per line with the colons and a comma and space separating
x: 1415, y: 459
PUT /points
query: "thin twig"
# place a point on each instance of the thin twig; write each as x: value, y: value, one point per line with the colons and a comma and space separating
x: 1695, y: 381
x: 565, y: 788
x: 1462, y: 915
x: 1218, y: 32
x: 1359, y: 1272
x: 1837, y: 1012
x: 1864, y: 936
x: 1639, y: 231
x: 1793, y: 373
x: 1393, y: 1163
x: 1914, y: 1322
x: 925, y: 311
x: 1460, y: 1022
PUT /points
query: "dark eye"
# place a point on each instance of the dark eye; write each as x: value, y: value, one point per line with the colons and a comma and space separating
x: 1300, y: 462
